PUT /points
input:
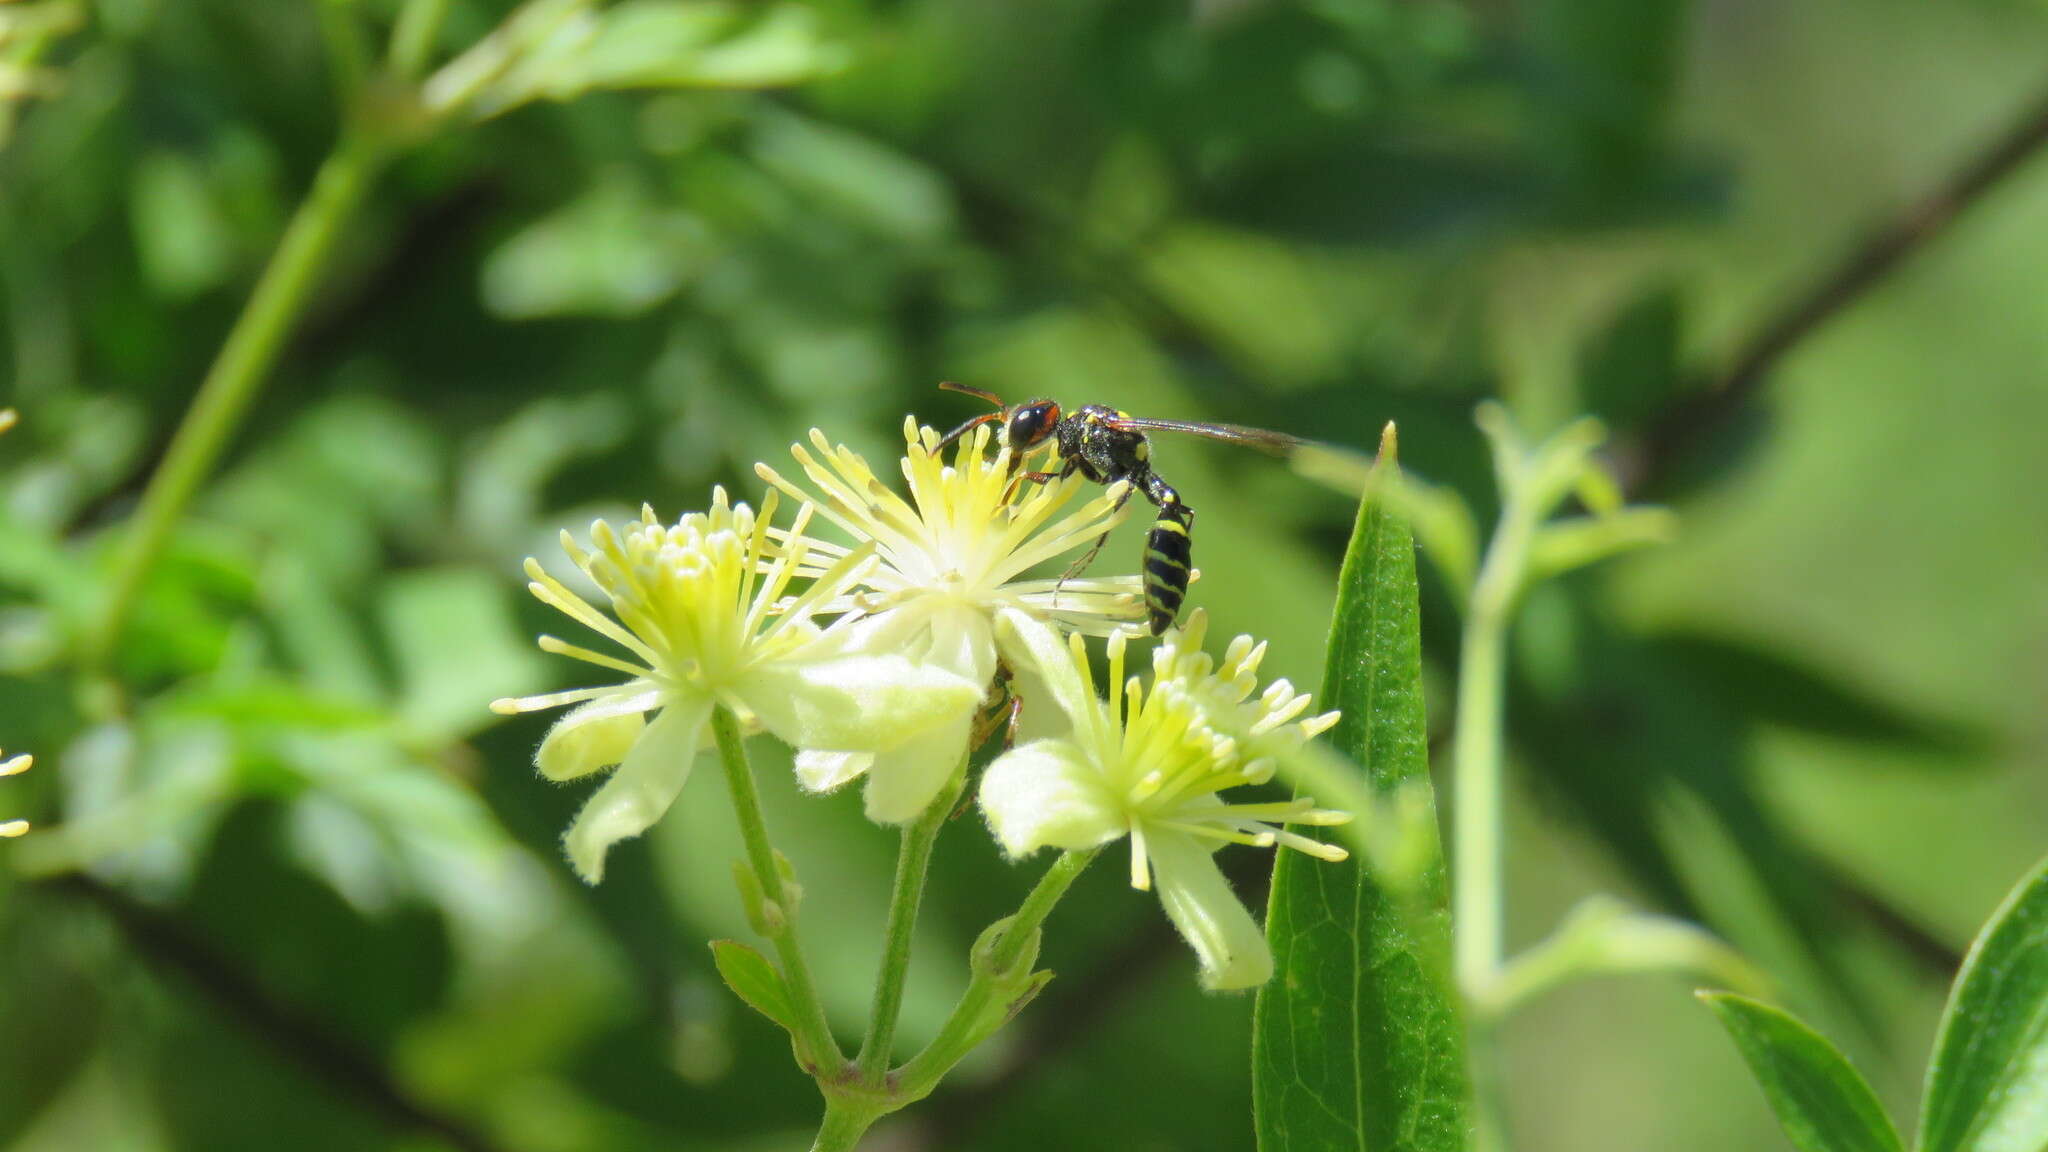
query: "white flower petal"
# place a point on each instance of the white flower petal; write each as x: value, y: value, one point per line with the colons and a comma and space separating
x: 594, y: 735
x: 1030, y: 644
x: 962, y: 641
x: 641, y: 790
x: 1047, y: 794
x: 821, y: 771
x: 855, y: 703
x: 1040, y: 718
x: 903, y: 780
x: 1215, y: 923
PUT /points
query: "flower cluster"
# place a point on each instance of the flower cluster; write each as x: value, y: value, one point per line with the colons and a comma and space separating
x: 1151, y: 766
x: 873, y: 658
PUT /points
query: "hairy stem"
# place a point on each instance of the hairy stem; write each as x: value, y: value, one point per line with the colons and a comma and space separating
x: 238, y: 373
x: 844, y: 1124
x: 815, y: 1045
x: 967, y: 1025
x: 912, y: 861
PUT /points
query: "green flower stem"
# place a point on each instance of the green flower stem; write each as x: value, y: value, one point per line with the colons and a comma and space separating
x: 1478, y: 879
x: 412, y: 39
x: 967, y: 1026
x: 1478, y: 759
x: 816, y: 1048
x: 238, y: 373
x: 845, y: 1123
x: 912, y: 861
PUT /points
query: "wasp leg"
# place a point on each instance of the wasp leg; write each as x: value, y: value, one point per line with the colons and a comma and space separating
x: 1067, y: 468
x: 1094, y: 550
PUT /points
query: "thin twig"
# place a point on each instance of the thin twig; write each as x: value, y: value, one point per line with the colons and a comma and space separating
x: 1067, y: 1016
x: 174, y: 948
x: 1700, y: 413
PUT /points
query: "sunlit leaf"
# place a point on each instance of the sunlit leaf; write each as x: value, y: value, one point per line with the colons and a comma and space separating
x: 1358, y: 1042
x: 1987, y: 1088
x: 753, y: 980
x: 456, y: 645
x: 1820, y: 1099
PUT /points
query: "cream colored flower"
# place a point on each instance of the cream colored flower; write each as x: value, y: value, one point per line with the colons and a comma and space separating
x: 15, y: 766
x: 1150, y: 766
x: 951, y: 560
x: 1267, y: 728
x: 704, y: 612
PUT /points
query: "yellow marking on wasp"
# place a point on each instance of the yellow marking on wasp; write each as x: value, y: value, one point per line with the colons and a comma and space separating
x: 1144, y: 451
x: 1174, y: 525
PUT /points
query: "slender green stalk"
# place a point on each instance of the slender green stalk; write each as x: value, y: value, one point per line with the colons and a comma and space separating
x: 966, y: 1027
x: 913, y: 859
x: 238, y: 373
x: 813, y: 1035
x: 1478, y: 873
x: 845, y: 1123
x: 412, y: 40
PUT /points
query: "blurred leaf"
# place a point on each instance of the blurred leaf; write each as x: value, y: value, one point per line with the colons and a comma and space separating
x: 612, y: 252
x: 868, y: 183
x: 754, y: 980
x: 701, y: 44
x: 1578, y: 541
x: 1357, y: 1038
x: 1820, y: 1099
x: 671, y: 44
x: 456, y: 645
x: 48, y: 1006
x: 1774, y: 689
x: 185, y: 246
x: 1603, y: 937
x: 1987, y: 1087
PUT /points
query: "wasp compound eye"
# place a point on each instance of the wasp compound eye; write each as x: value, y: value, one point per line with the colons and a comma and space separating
x: 1031, y: 423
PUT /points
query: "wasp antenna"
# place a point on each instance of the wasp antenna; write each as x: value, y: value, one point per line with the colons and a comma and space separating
x: 964, y: 429
x: 971, y: 390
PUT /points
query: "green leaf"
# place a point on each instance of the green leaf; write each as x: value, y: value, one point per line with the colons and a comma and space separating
x: 1987, y: 1088
x: 670, y: 44
x: 455, y: 643
x: 754, y: 980
x: 1821, y: 1100
x: 1357, y: 1038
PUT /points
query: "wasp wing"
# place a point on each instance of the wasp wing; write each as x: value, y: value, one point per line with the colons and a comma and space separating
x: 1277, y: 443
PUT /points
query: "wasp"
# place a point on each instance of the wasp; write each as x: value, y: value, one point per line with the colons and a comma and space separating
x: 1107, y: 445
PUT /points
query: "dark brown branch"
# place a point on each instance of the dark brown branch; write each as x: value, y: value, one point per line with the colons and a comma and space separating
x: 1704, y: 411
x: 173, y: 948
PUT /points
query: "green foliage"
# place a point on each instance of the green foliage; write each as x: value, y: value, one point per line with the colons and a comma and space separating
x: 1357, y: 1039
x: 1820, y: 1098
x: 753, y: 979
x: 1806, y: 725
x: 1985, y: 1089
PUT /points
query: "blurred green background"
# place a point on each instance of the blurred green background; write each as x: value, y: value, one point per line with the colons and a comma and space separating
x: 292, y: 885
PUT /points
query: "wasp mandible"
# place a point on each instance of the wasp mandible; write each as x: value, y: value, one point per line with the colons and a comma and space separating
x: 1106, y: 445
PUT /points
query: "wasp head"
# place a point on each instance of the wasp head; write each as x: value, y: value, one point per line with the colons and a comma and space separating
x: 1027, y: 425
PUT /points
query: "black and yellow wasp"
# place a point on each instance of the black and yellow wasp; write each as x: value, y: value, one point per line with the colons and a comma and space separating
x: 1106, y: 445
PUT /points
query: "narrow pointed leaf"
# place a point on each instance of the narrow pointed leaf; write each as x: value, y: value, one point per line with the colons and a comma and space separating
x: 1357, y: 1040
x: 1987, y: 1088
x: 1821, y: 1101
x: 754, y: 980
